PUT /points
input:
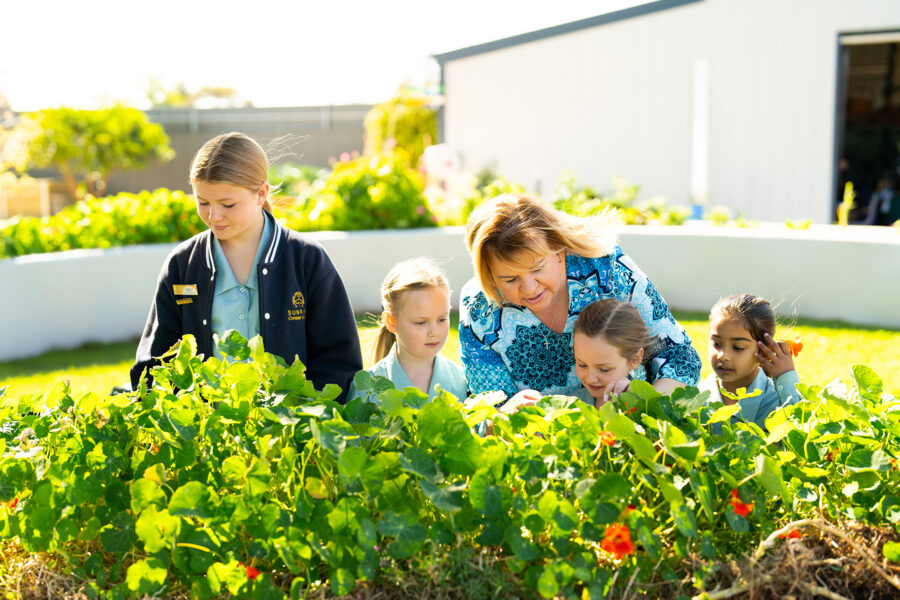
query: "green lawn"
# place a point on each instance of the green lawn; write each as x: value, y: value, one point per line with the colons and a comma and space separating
x: 830, y: 349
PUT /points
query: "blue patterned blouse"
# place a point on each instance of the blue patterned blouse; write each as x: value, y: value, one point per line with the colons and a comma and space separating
x: 507, y: 348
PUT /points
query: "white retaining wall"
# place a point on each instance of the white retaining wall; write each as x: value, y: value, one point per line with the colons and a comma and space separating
x: 65, y: 299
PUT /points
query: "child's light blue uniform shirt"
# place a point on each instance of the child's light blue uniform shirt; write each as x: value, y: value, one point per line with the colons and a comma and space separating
x: 447, y: 373
x: 236, y: 306
x: 774, y: 395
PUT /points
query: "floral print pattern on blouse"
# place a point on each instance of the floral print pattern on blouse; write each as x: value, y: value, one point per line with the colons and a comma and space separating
x: 505, y: 347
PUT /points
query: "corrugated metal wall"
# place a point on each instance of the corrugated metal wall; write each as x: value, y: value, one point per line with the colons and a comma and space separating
x: 617, y: 99
x: 304, y: 135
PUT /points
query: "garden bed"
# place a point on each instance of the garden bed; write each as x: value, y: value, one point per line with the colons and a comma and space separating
x: 64, y: 299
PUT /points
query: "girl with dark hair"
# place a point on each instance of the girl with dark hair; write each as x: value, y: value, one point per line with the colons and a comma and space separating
x: 743, y: 353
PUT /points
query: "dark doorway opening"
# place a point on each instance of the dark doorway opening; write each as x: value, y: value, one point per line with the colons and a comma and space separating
x: 868, y: 134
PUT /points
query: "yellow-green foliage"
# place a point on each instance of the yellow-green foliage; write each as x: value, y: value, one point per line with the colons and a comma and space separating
x: 86, y: 145
x: 121, y: 220
x: 404, y: 125
x: 370, y: 192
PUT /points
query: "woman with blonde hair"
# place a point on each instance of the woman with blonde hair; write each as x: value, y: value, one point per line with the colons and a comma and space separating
x: 536, y: 269
x: 248, y: 273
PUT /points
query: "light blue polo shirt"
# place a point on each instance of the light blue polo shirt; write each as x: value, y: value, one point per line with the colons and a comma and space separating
x: 236, y: 306
x: 447, y: 373
x: 773, y: 395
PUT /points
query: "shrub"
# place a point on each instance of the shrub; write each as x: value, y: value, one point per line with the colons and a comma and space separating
x: 294, y: 180
x: 405, y: 123
x: 86, y: 145
x: 377, y: 192
x: 125, y: 219
x: 583, y: 200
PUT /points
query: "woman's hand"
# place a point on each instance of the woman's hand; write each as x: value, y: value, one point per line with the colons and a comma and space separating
x: 774, y: 357
x: 523, y: 398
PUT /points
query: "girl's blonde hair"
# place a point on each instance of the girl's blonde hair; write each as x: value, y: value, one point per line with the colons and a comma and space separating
x: 622, y: 326
x: 753, y: 312
x: 232, y: 158
x: 508, y: 225
x: 414, y: 274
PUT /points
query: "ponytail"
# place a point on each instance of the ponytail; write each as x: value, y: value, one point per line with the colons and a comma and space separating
x: 384, y: 341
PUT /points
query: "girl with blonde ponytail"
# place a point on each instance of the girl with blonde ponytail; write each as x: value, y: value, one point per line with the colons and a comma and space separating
x: 249, y: 274
x: 412, y: 330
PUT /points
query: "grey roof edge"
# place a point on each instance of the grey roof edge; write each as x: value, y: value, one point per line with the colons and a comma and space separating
x: 612, y: 17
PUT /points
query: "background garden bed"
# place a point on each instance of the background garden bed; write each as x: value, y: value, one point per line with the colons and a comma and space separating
x: 64, y: 299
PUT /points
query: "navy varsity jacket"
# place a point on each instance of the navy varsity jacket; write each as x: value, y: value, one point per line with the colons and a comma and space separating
x: 303, y: 307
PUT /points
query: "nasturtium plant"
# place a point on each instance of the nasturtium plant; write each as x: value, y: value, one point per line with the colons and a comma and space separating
x: 238, y: 477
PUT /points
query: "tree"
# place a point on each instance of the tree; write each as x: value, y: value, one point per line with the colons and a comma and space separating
x: 404, y: 122
x: 180, y: 97
x: 87, y: 145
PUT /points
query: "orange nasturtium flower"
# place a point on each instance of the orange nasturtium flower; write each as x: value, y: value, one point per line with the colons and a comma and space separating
x: 252, y: 572
x: 794, y: 347
x: 617, y: 540
x: 607, y: 437
x: 740, y: 508
x: 793, y: 533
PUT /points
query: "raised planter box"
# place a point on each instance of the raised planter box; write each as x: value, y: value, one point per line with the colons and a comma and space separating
x: 65, y: 299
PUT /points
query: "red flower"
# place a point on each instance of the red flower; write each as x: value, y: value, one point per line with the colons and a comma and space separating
x: 513, y: 489
x: 617, y: 540
x: 607, y: 437
x: 793, y: 533
x: 832, y: 454
x: 740, y: 508
x: 153, y: 448
x: 252, y: 572
x: 630, y: 508
x: 12, y: 504
x: 794, y: 347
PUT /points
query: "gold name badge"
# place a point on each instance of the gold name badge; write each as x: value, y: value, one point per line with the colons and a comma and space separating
x: 184, y: 301
x: 189, y: 289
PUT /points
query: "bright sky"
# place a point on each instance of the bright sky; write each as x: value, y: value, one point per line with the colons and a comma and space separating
x: 89, y: 53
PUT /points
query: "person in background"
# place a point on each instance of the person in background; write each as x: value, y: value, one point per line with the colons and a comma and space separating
x: 249, y: 274
x: 536, y: 270
x: 413, y: 328
x: 744, y: 354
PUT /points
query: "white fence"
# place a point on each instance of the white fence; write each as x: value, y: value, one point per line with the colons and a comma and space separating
x: 65, y: 299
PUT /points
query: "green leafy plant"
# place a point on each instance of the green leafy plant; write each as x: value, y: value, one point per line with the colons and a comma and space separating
x: 369, y: 192
x: 294, y: 180
x: 121, y: 220
x: 580, y: 200
x: 87, y: 145
x: 403, y: 126
x: 240, y: 478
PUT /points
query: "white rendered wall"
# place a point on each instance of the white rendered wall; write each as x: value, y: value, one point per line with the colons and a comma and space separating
x: 617, y: 99
x: 65, y: 299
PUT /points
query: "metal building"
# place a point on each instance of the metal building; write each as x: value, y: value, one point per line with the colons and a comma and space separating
x: 763, y: 106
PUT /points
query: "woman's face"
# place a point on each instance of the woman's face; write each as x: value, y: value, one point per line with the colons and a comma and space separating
x: 533, y: 286
x: 229, y: 211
